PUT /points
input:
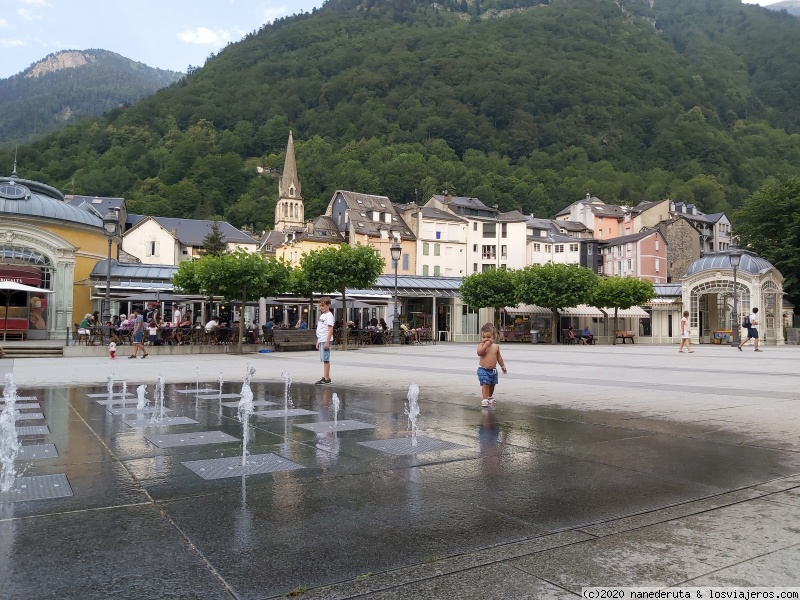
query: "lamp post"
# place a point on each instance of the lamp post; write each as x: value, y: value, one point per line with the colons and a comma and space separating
x: 735, y: 255
x: 110, y: 224
x: 396, y: 251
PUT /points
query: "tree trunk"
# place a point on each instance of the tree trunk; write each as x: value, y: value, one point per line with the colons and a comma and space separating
x: 345, y: 328
x: 555, y: 325
x: 241, y: 323
x: 616, y: 326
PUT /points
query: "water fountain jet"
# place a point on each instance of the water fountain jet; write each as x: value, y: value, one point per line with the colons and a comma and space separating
x: 412, y: 411
x: 9, y: 442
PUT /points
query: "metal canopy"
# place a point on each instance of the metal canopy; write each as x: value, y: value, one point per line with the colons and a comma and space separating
x: 582, y: 310
x: 527, y: 309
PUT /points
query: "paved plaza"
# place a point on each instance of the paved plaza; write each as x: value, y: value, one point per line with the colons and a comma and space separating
x: 600, y: 466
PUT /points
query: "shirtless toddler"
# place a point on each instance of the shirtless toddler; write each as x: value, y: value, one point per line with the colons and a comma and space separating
x: 490, y: 357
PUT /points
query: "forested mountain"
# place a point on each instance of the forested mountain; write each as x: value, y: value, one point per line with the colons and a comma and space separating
x: 790, y: 6
x: 521, y: 103
x: 71, y: 84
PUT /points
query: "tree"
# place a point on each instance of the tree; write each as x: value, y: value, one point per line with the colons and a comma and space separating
x: 338, y: 267
x: 622, y: 292
x: 214, y: 243
x: 769, y: 225
x: 238, y: 275
x: 489, y: 289
x: 555, y: 286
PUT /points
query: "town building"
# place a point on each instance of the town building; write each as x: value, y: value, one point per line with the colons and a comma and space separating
x: 289, y: 210
x: 642, y: 255
x: 441, y: 240
x: 317, y: 234
x: 561, y: 242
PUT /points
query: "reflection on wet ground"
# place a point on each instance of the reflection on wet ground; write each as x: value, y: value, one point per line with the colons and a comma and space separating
x: 140, y: 523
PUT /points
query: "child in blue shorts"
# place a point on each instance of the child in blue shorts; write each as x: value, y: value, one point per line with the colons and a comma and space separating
x: 489, y: 352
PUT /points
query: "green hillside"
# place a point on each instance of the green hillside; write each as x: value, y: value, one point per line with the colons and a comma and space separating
x: 528, y: 110
x: 68, y: 85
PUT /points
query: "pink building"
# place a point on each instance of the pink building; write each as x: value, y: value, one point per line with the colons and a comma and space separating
x: 642, y: 255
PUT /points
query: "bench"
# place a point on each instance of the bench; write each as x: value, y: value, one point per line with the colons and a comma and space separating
x: 288, y: 340
x: 625, y: 335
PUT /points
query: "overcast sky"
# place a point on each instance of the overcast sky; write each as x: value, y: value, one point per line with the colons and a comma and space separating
x: 169, y: 34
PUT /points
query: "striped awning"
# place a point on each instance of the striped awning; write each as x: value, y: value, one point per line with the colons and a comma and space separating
x: 634, y: 312
x: 527, y: 309
x: 582, y: 310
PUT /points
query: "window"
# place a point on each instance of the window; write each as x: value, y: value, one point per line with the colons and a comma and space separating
x: 424, y: 269
x: 629, y: 249
x: 425, y: 249
x: 573, y: 247
x: 405, y: 261
x: 589, y: 249
x: 437, y: 271
x: 599, y: 233
x: 504, y: 252
x: 438, y: 235
x: 548, y: 248
x: 504, y: 230
x: 488, y: 267
x: 474, y: 247
x: 627, y: 231
x: 630, y: 264
x: 474, y: 267
x: 537, y: 247
x: 488, y: 252
x: 437, y: 249
x: 658, y: 265
x: 656, y: 244
x: 618, y: 268
x: 475, y: 228
x: 152, y: 248
x: 559, y: 248
x: 489, y: 230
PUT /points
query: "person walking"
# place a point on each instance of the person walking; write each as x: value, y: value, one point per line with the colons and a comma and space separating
x: 489, y: 351
x: 686, y: 334
x: 138, y: 335
x: 324, y: 338
x: 750, y: 323
x: 112, y: 350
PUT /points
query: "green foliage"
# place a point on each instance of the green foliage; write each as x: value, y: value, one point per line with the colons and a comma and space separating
x: 337, y: 268
x: 238, y: 275
x: 214, y: 243
x: 493, y: 288
x: 622, y: 292
x: 555, y: 286
x: 528, y: 111
x: 769, y: 225
x: 32, y: 106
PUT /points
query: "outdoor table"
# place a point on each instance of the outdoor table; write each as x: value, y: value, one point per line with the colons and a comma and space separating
x: 101, y: 334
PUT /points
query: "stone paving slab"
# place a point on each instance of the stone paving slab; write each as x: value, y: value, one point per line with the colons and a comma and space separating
x: 39, y: 487
x: 256, y: 464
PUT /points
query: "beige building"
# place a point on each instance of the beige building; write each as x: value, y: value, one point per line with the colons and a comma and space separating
x: 317, y: 234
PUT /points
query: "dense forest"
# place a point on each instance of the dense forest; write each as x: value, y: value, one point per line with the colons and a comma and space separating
x: 523, y: 104
x: 40, y: 99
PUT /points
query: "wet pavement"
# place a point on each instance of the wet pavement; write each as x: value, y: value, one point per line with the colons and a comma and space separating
x: 608, y: 467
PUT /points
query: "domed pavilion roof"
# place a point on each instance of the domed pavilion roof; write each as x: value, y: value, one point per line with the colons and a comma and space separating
x: 750, y: 263
x: 21, y: 197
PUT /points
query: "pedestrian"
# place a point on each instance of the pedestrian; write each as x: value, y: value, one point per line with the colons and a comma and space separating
x: 324, y: 338
x: 177, y: 318
x: 489, y: 351
x: 686, y: 334
x: 112, y: 350
x: 138, y: 335
x: 750, y: 323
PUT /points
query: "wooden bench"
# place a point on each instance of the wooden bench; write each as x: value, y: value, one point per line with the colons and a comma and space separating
x: 14, y: 333
x: 288, y: 340
x: 625, y: 335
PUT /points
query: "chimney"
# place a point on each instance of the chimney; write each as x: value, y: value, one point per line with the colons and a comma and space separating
x: 310, y: 226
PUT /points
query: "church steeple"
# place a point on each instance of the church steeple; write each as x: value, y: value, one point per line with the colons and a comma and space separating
x: 289, y: 211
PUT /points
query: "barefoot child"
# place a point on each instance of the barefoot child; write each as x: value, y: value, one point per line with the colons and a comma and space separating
x: 112, y: 350
x: 490, y: 357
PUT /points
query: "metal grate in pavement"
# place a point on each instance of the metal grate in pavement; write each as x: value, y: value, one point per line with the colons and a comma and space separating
x: 39, y: 487
x: 220, y: 468
x: 34, y: 416
x: 27, y: 406
x: 35, y: 451
x: 33, y: 430
x: 196, y: 391
x: 194, y: 438
x: 217, y: 396
x: 329, y: 426
x: 403, y: 447
x: 27, y: 398
x: 135, y: 411
x: 107, y: 395
x: 165, y: 422
x: 255, y: 403
x: 277, y: 414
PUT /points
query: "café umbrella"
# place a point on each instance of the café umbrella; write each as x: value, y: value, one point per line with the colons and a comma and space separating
x: 8, y: 288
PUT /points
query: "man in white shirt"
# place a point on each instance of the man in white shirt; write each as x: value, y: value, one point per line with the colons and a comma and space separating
x: 176, y: 315
x: 752, y: 330
x: 212, y: 325
x: 325, y: 338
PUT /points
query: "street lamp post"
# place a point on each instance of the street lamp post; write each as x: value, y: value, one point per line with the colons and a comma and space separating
x: 396, y: 251
x: 735, y: 255
x: 110, y: 224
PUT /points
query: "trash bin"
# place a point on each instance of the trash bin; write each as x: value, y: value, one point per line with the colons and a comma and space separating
x: 534, y: 336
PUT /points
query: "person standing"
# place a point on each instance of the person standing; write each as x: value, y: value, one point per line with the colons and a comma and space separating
x: 138, y: 335
x: 112, y: 350
x: 324, y: 338
x: 177, y: 317
x: 489, y: 352
x: 686, y: 334
x: 751, y: 324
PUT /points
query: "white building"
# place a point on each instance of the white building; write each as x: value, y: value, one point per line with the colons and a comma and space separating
x: 441, y: 240
x: 168, y: 241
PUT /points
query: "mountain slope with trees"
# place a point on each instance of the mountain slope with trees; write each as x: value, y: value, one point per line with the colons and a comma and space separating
x: 523, y: 104
x: 71, y: 84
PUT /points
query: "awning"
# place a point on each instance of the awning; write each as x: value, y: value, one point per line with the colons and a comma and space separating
x: 582, y: 310
x: 665, y: 301
x: 527, y: 309
x: 634, y: 312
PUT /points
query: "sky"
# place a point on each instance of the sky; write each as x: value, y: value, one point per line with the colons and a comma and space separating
x: 168, y: 34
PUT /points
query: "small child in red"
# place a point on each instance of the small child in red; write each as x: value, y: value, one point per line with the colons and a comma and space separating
x: 112, y: 350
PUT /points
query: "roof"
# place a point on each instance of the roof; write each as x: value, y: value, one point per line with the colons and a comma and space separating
x: 572, y: 225
x: 462, y: 201
x: 361, y: 223
x: 589, y: 199
x: 511, y: 216
x: 192, y: 232
x: 134, y: 271
x: 448, y: 287
x: 627, y: 239
x: 101, y: 205
x: 750, y: 263
x: 323, y: 230
x: 25, y: 198
x: 440, y: 215
x: 134, y: 220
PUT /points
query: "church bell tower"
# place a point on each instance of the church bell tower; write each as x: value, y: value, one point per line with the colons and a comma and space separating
x: 289, y: 211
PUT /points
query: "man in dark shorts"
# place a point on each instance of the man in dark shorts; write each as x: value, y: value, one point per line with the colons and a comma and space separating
x: 138, y: 335
x: 752, y: 330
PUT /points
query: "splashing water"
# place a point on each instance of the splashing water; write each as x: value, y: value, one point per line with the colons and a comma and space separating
x: 158, y: 400
x: 124, y: 392
x: 141, y: 401
x: 245, y: 410
x: 336, y: 405
x: 197, y: 381
x: 287, y: 390
x: 221, y: 381
x: 412, y: 411
x: 9, y: 443
x: 110, y: 383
